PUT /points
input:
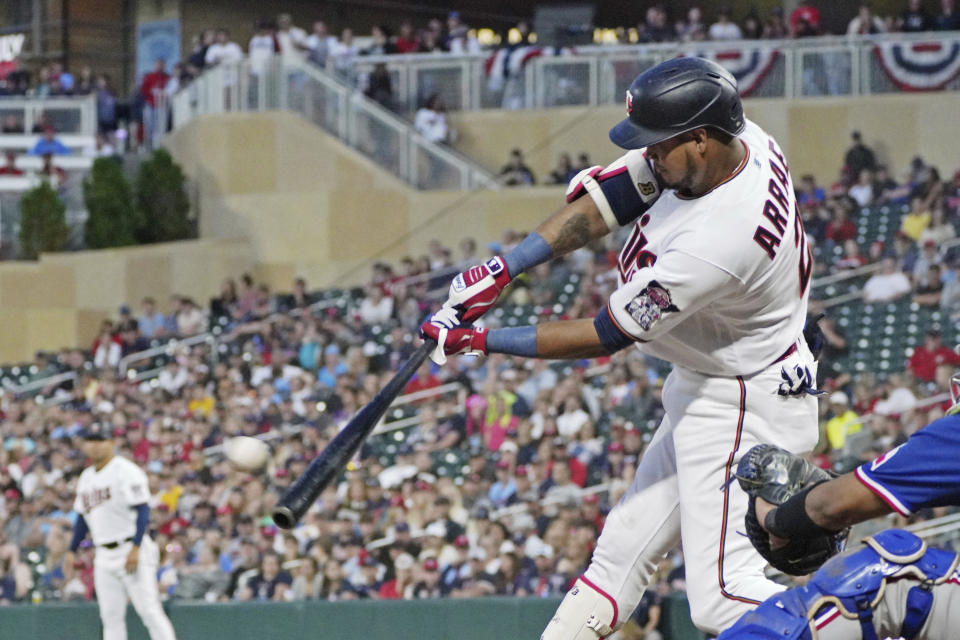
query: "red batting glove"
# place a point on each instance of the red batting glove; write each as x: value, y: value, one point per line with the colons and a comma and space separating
x: 474, y: 292
x: 452, y: 338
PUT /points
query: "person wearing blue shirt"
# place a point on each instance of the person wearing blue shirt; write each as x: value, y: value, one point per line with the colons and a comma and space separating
x: 48, y: 144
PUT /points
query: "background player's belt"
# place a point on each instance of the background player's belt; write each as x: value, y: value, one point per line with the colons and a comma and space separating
x: 786, y: 354
x: 114, y: 545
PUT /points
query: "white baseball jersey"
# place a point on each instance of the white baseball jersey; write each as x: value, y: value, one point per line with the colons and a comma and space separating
x: 106, y: 499
x: 719, y: 284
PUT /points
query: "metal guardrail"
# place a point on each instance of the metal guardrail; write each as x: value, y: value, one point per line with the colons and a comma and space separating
x: 598, y: 74
x: 336, y: 107
x: 168, y: 348
x: 68, y: 115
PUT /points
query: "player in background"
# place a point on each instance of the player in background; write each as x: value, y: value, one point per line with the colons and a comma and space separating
x: 713, y: 278
x: 112, y: 496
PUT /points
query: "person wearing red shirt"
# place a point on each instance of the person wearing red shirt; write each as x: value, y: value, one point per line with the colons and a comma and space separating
x: 841, y: 228
x: 152, y: 91
x: 10, y: 169
x: 925, y: 359
x: 422, y: 381
x: 805, y: 20
x: 406, y: 40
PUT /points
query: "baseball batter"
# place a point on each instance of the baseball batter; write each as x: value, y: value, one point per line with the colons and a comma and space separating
x: 713, y: 278
x: 112, y: 497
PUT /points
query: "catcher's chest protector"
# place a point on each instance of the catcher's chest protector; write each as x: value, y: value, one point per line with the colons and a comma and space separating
x: 854, y: 583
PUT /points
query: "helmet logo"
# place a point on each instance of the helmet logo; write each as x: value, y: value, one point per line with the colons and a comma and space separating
x: 629, y: 102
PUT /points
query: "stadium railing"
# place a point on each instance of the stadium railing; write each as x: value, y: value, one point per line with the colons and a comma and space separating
x: 533, y: 77
x: 336, y: 107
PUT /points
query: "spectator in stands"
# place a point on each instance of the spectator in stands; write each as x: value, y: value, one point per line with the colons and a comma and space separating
x: 844, y: 421
x: 380, y: 86
x: 914, y: 18
x: 343, y: 55
x: 401, y: 586
x: 15, y: 578
x: 201, y: 43
x: 376, y: 309
x: 318, y: 44
x: 151, y: 90
x: 563, y: 172
x: 429, y: 584
x: 904, y: 252
x: 693, y: 29
x: 12, y: 124
x: 885, y: 189
x: 106, y: 105
x: 940, y: 229
x: 929, y: 288
x: 516, y: 172
x: 223, y: 50
x: 859, y: 156
x: 656, y: 27
x: 107, y: 347
x: 406, y: 40
x: 431, y: 120
x: 52, y: 173
x: 865, y: 22
x: 10, y: 168
x: 929, y: 189
x: 190, y: 318
x: 916, y: 221
x: 949, y: 19
x: 379, y: 42
x: 775, y: 27
x: 262, y: 47
x: 752, y: 29
x: 929, y: 256
x: 851, y: 258
x: 270, y: 582
x: 862, y: 190
x: 49, y: 144
x: 810, y: 194
x: 724, y: 28
x: 931, y: 354
x: 840, y: 228
x: 151, y: 322
x: 805, y: 20
x: 291, y: 39
x: 101, y: 147
x: 887, y: 285
x: 460, y: 38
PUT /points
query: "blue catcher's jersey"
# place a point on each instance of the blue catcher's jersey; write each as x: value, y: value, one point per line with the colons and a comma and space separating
x: 922, y: 472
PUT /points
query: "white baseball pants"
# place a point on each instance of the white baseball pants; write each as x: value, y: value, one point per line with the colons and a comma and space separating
x: 114, y: 587
x: 684, y: 484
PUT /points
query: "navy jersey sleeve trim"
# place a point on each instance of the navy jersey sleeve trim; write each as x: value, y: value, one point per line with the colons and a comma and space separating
x: 611, y: 335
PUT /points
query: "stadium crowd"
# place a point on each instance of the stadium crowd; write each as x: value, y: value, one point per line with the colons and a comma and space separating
x: 496, y: 484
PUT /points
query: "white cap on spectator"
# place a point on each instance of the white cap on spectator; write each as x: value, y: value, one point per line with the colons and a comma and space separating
x: 508, y: 547
x: 436, y: 528
x: 404, y: 561
x: 477, y: 553
x: 839, y: 397
x: 508, y: 446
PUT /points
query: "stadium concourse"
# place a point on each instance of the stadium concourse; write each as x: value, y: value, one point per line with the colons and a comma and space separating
x: 491, y: 478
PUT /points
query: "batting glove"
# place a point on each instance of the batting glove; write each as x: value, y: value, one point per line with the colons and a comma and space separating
x: 797, y: 380
x: 474, y: 292
x: 451, y: 337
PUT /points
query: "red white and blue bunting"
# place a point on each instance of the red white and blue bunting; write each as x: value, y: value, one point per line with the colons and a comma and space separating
x: 919, y: 66
x: 509, y: 61
x: 748, y: 66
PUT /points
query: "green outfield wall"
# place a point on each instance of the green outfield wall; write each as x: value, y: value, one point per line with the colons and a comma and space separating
x: 479, y: 619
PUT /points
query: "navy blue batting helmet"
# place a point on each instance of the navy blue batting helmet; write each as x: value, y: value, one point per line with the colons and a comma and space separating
x: 677, y: 96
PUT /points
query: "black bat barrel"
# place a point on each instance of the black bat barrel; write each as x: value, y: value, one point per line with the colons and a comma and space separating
x: 331, y: 461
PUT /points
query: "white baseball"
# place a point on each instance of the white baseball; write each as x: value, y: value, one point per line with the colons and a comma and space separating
x: 246, y: 453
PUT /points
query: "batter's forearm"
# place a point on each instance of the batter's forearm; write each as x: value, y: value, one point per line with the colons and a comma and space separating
x: 573, y: 226
x: 561, y: 340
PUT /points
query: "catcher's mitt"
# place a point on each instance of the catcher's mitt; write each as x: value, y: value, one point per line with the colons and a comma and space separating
x: 776, y: 475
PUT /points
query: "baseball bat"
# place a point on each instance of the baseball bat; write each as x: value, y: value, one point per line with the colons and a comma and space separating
x: 331, y: 461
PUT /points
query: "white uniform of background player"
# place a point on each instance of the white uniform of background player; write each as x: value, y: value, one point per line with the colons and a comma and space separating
x: 717, y: 284
x: 108, y: 498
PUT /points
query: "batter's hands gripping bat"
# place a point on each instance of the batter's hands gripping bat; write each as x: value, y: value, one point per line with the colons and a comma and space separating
x: 332, y: 460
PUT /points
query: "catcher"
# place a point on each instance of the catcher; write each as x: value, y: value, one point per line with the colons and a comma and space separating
x: 797, y: 518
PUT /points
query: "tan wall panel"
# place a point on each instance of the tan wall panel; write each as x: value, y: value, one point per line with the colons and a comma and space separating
x: 814, y: 132
x: 13, y: 338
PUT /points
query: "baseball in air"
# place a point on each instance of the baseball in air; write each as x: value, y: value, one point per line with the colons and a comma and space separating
x: 246, y: 453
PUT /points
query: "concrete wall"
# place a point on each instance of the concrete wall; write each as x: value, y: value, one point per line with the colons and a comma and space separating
x: 814, y: 132
x: 311, y: 206
x: 60, y: 300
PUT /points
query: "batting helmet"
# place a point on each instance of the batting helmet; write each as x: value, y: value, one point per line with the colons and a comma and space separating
x: 678, y: 96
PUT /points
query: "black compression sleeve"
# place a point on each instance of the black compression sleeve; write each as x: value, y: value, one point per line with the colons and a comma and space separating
x: 790, y: 520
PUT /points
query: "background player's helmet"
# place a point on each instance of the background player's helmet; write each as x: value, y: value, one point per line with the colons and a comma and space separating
x: 678, y: 96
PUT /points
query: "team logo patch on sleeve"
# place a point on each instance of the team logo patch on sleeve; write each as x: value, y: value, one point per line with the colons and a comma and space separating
x: 650, y: 305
